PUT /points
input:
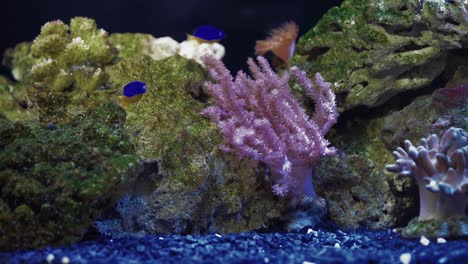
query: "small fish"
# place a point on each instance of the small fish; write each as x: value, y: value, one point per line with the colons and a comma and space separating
x: 206, y: 34
x: 451, y: 97
x: 281, y: 42
x: 132, y: 92
x: 51, y: 126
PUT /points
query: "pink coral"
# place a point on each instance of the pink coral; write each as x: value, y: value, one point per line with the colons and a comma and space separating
x: 260, y: 118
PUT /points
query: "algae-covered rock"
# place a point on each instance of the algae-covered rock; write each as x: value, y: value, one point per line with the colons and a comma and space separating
x: 356, y: 192
x: 455, y: 227
x: 199, y: 189
x: 64, y: 68
x: 166, y: 123
x: 56, y: 179
x: 412, y: 122
x: 13, y: 100
x: 372, y: 50
x: 420, y: 119
x: 20, y: 61
x: 232, y: 198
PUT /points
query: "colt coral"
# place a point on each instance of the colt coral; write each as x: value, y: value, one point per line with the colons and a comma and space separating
x: 441, y: 171
x: 260, y: 118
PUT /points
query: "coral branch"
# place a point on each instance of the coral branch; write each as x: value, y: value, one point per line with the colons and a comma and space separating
x: 260, y: 118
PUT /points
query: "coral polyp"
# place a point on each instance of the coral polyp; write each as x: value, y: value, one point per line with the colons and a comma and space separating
x: 441, y: 169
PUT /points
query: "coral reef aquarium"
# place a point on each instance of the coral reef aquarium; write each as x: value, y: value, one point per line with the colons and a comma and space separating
x: 203, y: 131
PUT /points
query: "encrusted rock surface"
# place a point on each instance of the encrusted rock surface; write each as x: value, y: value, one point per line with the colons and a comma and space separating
x: 63, y: 69
x: 456, y: 227
x: 372, y: 50
x: 56, y: 179
x: 355, y: 192
x: 13, y: 100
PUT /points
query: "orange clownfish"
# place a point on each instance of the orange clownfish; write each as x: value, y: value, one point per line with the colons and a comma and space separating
x: 281, y: 42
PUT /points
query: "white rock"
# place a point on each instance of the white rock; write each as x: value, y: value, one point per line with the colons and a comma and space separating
x: 405, y: 258
x: 162, y: 48
x: 188, y: 49
x: 192, y: 49
x: 65, y: 260
x: 441, y: 240
x: 214, y: 49
x: 165, y: 47
x: 424, y: 241
x: 50, y: 258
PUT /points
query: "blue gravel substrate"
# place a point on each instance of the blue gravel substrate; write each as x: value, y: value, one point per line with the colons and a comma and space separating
x: 309, y: 246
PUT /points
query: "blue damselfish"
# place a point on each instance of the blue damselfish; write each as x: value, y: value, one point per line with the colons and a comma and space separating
x: 132, y: 93
x: 134, y: 88
x: 208, y: 33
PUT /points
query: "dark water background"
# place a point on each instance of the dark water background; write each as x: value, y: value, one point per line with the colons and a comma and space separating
x: 244, y: 21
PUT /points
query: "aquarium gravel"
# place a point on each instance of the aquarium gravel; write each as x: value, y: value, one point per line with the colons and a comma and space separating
x: 307, y: 246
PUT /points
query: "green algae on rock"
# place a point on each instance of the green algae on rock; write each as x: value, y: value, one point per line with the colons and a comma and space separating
x: 231, y: 198
x: 418, y: 120
x: 64, y: 68
x: 456, y: 227
x: 13, y: 100
x: 166, y: 121
x: 55, y: 180
x: 225, y: 194
x: 373, y: 50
